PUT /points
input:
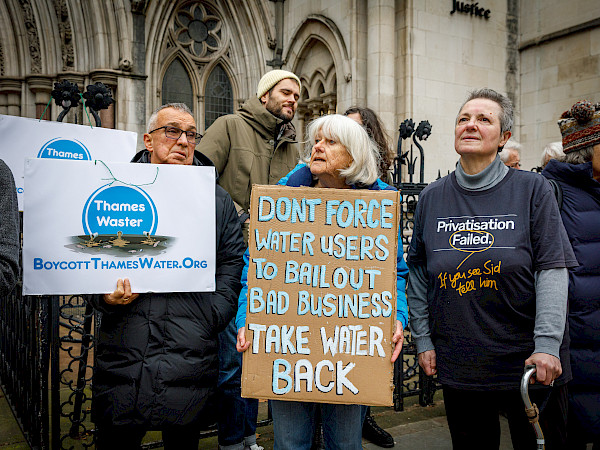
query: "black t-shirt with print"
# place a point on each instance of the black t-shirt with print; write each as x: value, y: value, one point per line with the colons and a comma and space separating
x: 481, y: 250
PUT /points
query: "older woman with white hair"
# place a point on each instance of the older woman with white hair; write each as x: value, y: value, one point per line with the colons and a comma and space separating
x: 339, y: 154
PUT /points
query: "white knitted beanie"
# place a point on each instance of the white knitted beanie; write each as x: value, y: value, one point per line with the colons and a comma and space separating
x: 273, y: 77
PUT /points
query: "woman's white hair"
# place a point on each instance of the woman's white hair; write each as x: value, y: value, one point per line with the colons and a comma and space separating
x: 553, y: 150
x: 364, y: 169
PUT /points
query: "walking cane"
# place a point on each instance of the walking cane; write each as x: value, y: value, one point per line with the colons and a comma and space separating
x: 531, y: 409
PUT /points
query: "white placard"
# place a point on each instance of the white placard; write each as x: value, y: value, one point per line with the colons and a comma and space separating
x: 86, y: 224
x: 30, y: 138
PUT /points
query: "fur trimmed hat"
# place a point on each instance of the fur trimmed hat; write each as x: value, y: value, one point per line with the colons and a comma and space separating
x: 580, y: 126
x: 273, y: 77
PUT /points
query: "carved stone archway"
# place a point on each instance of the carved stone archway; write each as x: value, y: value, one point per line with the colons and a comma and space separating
x: 318, y: 55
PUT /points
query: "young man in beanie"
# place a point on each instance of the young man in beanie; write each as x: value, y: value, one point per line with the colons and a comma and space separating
x: 256, y: 145
x: 578, y: 174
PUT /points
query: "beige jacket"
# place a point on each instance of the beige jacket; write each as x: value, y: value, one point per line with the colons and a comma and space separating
x: 250, y: 147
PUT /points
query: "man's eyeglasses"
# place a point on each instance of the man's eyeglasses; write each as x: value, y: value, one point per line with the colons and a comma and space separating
x: 175, y: 133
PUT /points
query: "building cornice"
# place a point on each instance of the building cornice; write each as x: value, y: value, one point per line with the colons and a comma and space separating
x: 595, y: 23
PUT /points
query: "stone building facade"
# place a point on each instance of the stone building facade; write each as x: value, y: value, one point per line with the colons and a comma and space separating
x: 403, y: 58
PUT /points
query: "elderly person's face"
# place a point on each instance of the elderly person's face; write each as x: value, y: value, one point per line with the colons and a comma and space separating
x: 327, y: 158
x: 514, y: 160
x: 477, y: 132
x: 165, y: 150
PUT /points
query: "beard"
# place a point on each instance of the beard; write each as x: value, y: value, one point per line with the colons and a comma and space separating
x: 276, y: 109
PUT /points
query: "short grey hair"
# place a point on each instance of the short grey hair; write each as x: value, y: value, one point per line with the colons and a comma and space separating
x: 553, y: 150
x: 510, y: 145
x: 364, y: 169
x: 578, y: 156
x: 506, y: 106
x: 178, y: 106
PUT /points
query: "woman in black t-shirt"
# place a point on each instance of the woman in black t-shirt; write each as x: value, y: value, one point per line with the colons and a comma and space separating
x: 488, y: 283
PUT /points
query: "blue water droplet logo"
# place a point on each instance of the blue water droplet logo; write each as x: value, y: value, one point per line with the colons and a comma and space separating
x: 60, y: 148
x: 114, y: 209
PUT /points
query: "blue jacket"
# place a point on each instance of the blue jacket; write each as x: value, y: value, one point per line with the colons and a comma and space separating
x: 301, y: 176
x: 581, y: 216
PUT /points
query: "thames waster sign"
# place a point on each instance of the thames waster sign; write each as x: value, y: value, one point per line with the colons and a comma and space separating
x: 86, y: 224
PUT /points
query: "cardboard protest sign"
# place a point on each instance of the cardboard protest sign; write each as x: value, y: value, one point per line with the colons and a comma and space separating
x: 86, y: 224
x: 30, y: 138
x: 321, y: 295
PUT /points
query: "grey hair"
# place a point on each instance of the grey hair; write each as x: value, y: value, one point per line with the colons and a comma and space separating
x: 364, y: 169
x: 510, y: 145
x: 578, y: 156
x: 506, y: 107
x: 553, y: 150
x: 178, y: 106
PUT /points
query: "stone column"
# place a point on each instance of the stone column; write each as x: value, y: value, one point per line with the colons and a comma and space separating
x: 10, y: 91
x: 359, y: 53
x: 301, y: 113
x: 133, y: 115
x: 41, y: 86
x: 110, y: 79
x: 381, y: 41
x: 330, y: 101
x: 3, y: 104
x: 315, y: 106
x: 76, y: 115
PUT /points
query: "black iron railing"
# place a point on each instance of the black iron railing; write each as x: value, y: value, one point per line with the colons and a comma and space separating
x: 24, y: 351
x: 409, y: 379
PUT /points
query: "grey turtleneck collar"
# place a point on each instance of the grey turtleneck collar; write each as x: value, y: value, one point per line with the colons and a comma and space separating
x: 486, y: 179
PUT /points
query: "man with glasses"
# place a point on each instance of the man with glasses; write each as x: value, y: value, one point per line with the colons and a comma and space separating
x: 156, y: 360
x: 256, y: 145
x: 172, y: 137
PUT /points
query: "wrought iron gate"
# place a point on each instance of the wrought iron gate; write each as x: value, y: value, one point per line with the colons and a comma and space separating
x: 409, y: 379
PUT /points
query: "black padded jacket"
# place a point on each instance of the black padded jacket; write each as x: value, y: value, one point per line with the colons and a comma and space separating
x: 156, y: 360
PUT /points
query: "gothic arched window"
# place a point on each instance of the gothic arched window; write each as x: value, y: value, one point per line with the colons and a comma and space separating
x: 177, y: 86
x: 218, y: 96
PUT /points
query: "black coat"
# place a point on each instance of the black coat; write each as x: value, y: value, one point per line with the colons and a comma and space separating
x: 156, y: 360
x: 580, y: 212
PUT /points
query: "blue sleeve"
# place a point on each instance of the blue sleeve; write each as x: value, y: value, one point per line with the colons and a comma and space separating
x: 383, y: 186
x: 284, y: 180
x: 240, y: 318
x: 401, y: 274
